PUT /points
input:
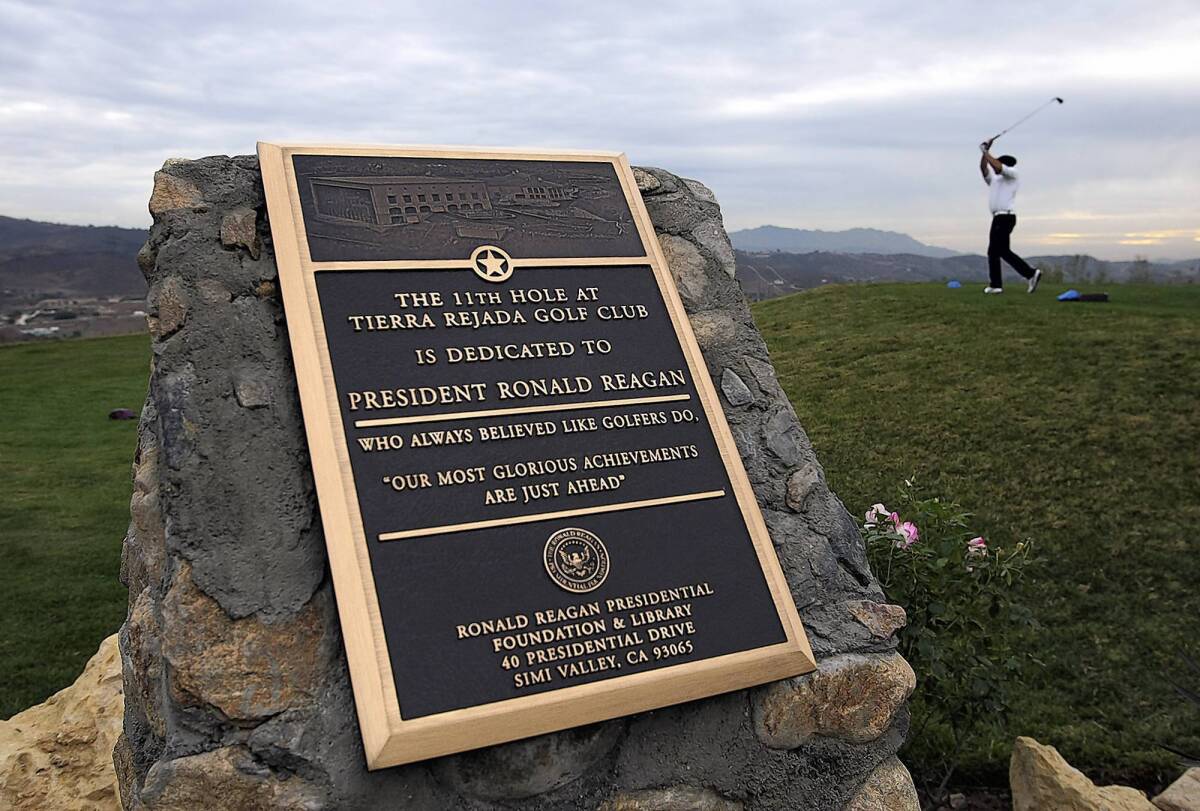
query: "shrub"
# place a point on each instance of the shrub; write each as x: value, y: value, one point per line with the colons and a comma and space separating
x: 965, y: 607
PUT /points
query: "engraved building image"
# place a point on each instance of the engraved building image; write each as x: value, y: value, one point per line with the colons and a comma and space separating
x: 396, y: 200
x: 410, y: 200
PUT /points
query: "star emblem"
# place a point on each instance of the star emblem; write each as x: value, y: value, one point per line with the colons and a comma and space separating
x: 491, y: 263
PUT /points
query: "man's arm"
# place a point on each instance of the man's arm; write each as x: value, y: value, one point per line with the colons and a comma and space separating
x: 983, y: 169
x: 996, y: 165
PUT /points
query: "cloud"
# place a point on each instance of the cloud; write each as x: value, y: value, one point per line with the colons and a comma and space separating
x: 810, y: 115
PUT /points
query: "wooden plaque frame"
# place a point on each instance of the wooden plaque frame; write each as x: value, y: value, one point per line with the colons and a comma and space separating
x: 388, y: 738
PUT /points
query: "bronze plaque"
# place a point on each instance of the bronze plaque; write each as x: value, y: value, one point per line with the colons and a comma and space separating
x: 535, y: 513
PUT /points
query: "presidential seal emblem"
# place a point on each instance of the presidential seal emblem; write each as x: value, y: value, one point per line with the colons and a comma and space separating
x: 576, y: 560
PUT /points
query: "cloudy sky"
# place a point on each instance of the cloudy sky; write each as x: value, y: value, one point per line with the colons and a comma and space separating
x: 811, y: 115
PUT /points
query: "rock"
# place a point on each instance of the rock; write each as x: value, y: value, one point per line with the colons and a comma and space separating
x: 211, y: 291
x: 800, y: 484
x: 147, y: 255
x: 168, y: 303
x: 701, y: 191
x: 764, y: 373
x: 1183, y: 794
x: 712, y: 237
x: 533, y: 766
x: 735, y: 389
x: 781, y: 437
x: 140, y: 645
x: 246, y: 668
x: 851, y: 697
x: 646, y: 182
x: 58, y: 754
x: 122, y: 758
x: 881, y: 619
x: 225, y: 779
x: 888, y: 788
x: 239, y: 228
x: 171, y: 192
x: 251, y: 392
x: 687, y: 266
x: 712, y: 329
x: 676, y: 798
x: 143, y: 549
x: 237, y: 690
x: 1042, y: 780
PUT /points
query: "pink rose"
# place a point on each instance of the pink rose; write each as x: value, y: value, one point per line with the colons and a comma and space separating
x: 876, y: 512
x: 908, y: 533
x: 977, y: 546
x: 895, y: 519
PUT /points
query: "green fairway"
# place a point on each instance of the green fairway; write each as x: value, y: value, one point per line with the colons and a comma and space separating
x: 64, y: 506
x: 1075, y: 425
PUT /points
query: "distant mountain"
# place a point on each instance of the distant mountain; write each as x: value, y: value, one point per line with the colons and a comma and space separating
x: 766, y: 274
x: 47, y: 260
x: 854, y: 240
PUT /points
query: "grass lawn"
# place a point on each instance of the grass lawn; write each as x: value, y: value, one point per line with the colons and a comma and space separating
x: 1075, y: 425
x: 64, y: 505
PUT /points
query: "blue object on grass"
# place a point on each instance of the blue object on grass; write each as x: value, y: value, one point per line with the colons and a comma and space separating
x: 1070, y: 295
x: 954, y: 284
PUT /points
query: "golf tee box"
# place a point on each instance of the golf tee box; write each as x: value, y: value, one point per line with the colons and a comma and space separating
x: 535, y: 514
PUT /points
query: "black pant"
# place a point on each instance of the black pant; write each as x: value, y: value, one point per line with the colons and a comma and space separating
x: 998, y: 248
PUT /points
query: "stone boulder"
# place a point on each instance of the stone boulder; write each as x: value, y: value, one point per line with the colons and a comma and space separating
x: 1183, y: 794
x: 237, y: 691
x: 58, y: 754
x: 852, y: 697
x: 1041, y: 779
x: 889, y: 788
x: 676, y: 798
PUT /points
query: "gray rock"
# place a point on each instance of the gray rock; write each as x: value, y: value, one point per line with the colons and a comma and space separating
x: 712, y: 237
x: 701, y: 191
x: 736, y: 391
x: 800, y: 484
x: 782, y: 432
x: 225, y: 555
x: 251, y: 391
x: 521, y: 769
x: 764, y: 375
x: 646, y: 182
x: 687, y: 266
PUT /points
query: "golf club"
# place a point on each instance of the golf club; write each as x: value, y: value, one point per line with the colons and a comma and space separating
x: 1053, y: 100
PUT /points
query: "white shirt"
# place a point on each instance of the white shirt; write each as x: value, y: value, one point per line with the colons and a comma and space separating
x: 1002, y: 189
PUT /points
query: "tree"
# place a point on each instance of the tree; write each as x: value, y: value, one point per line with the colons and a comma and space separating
x: 1141, y: 272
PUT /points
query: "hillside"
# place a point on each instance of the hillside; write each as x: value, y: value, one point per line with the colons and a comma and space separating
x: 1071, y: 425
x: 854, y: 240
x: 769, y: 274
x: 46, y: 260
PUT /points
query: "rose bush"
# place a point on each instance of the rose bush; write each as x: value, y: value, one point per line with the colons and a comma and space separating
x: 965, y: 608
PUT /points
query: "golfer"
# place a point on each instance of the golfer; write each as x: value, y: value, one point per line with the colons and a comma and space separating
x: 1002, y: 182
